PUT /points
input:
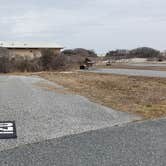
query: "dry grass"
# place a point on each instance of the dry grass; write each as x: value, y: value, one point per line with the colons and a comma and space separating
x: 140, y: 95
x: 50, y: 87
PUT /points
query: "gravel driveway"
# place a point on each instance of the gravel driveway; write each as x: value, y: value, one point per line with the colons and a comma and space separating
x: 132, y: 72
x: 41, y: 114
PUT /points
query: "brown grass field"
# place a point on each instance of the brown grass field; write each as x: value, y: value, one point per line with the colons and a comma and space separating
x: 140, y: 95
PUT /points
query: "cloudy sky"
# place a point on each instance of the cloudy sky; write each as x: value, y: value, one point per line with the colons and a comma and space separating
x: 101, y: 25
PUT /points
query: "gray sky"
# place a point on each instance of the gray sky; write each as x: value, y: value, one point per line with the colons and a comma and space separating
x: 101, y: 25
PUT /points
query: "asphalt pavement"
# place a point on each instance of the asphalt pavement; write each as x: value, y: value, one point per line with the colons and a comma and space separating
x: 133, y: 144
x: 131, y: 72
x: 148, y: 64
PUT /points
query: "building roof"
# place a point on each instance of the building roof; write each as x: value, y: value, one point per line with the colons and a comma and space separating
x: 29, y: 45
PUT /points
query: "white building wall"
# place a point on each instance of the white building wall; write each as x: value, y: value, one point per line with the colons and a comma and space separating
x: 27, y: 53
x: 24, y: 53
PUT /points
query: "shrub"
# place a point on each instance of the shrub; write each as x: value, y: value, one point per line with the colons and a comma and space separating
x: 52, y: 61
x: 4, y: 61
x: 145, y: 52
x: 80, y: 52
x: 47, y: 59
x: 4, y: 65
x: 4, y: 52
x: 142, y: 52
x: 26, y: 65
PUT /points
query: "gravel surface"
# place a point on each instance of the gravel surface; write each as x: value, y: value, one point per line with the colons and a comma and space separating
x: 134, y: 144
x: 41, y: 114
x: 132, y: 72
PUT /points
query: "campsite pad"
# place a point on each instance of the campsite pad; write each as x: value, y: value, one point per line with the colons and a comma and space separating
x: 42, y: 114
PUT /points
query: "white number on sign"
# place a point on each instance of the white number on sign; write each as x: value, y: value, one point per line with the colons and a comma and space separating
x: 6, y: 128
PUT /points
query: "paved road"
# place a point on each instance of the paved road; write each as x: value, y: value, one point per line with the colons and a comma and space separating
x: 42, y: 114
x: 148, y: 64
x: 132, y: 72
x: 134, y: 144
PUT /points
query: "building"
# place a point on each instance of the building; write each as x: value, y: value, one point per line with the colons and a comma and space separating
x: 29, y: 50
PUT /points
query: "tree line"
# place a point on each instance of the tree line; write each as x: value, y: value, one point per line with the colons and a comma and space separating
x: 142, y: 52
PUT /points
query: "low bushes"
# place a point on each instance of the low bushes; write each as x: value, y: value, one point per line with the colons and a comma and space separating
x: 142, y: 52
x: 80, y: 52
x: 48, y: 61
x: 4, y: 64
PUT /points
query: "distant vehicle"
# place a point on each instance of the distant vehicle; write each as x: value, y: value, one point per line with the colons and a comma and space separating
x: 108, y: 63
x: 87, y: 64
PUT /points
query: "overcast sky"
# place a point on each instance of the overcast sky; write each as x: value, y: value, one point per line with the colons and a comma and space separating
x: 101, y: 25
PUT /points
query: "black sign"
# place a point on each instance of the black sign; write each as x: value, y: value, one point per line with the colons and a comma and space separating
x: 7, y: 130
